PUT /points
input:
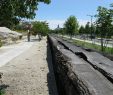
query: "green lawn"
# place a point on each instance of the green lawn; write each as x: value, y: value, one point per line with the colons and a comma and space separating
x: 2, y: 92
x: 93, y: 46
x: 84, y: 44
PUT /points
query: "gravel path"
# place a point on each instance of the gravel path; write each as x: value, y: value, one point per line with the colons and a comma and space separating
x: 30, y: 73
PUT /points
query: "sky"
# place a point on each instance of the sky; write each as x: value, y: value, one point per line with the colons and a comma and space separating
x: 59, y: 10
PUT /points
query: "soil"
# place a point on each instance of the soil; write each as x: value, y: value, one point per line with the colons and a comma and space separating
x: 30, y: 73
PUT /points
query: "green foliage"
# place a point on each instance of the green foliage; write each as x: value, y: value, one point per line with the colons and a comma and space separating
x: 92, y: 46
x: 62, y: 31
x: 59, y: 30
x: 21, y: 27
x: 104, y: 22
x: 107, y: 50
x: 82, y: 30
x: 11, y: 11
x: 71, y: 25
x: 111, y: 5
x: 93, y: 28
x: 40, y: 28
x: 2, y: 92
x: 87, y: 28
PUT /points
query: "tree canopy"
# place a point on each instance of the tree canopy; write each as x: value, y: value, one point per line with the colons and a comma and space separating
x: 104, y: 20
x: 87, y: 28
x: 41, y: 28
x: 11, y: 11
x: 71, y: 25
x: 82, y: 30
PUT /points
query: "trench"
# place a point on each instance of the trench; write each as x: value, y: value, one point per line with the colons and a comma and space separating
x: 84, y: 57
x: 62, y: 44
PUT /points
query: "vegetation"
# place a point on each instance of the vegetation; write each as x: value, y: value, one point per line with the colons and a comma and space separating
x: 102, y: 28
x: 92, y: 46
x: 40, y: 28
x: 71, y: 26
x: 82, y: 30
x: 87, y: 28
x: 104, y: 22
x: 12, y: 11
x: 21, y: 26
x: 2, y: 92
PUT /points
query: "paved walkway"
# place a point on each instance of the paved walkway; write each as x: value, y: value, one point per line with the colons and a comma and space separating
x: 29, y: 73
x: 7, y: 53
x: 89, y: 41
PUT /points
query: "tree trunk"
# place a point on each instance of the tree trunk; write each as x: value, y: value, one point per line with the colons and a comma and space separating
x: 102, y: 47
x: 70, y: 37
x: 28, y: 36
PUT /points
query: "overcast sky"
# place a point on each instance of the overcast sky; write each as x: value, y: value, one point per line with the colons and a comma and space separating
x: 59, y: 10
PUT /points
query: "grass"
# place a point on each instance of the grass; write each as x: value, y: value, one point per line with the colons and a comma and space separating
x: 86, y: 45
x: 92, y: 46
x: 2, y: 92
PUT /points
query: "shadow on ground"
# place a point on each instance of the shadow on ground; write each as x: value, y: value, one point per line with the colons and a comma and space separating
x: 50, y: 77
x: 34, y: 40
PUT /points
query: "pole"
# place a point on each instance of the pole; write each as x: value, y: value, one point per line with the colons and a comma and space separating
x: 91, y: 25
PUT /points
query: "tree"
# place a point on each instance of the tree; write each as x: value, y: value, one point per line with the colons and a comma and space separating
x: 82, y: 30
x: 111, y: 5
x: 87, y: 28
x: 40, y: 28
x: 104, y: 22
x: 22, y: 26
x: 111, y: 10
x: 71, y: 26
x: 11, y: 11
x: 93, y: 27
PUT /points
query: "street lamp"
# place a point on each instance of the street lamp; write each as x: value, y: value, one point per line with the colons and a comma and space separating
x: 91, y: 23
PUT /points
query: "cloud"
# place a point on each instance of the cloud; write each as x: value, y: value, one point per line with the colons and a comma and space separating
x: 82, y: 22
x: 54, y: 23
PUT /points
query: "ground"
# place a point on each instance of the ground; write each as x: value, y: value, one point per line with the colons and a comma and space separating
x: 30, y: 73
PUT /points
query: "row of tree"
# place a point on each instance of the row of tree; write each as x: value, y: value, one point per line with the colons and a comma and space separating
x: 71, y: 27
x: 35, y: 27
x: 102, y: 27
x: 40, y: 28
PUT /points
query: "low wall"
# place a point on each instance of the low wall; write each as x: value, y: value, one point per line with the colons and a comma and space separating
x: 74, y: 76
x: 68, y: 83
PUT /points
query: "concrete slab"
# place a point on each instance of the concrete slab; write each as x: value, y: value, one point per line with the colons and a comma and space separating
x: 103, y: 64
x: 7, y: 53
x: 87, y: 76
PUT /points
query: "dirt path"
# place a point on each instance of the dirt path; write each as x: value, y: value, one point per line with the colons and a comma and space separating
x: 30, y: 73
